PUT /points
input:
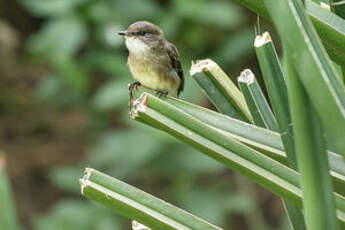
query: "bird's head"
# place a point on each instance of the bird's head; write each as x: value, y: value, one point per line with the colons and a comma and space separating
x: 141, y: 36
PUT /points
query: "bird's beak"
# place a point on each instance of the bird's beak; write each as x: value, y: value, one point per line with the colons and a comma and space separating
x: 123, y: 33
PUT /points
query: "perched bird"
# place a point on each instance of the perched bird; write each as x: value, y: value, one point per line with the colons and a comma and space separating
x: 152, y: 60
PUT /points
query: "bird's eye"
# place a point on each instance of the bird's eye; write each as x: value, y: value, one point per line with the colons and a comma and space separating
x: 141, y: 33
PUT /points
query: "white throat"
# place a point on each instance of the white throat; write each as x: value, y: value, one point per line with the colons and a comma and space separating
x: 136, y: 46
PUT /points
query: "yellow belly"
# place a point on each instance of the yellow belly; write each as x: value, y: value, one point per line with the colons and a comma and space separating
x: 155, y: 75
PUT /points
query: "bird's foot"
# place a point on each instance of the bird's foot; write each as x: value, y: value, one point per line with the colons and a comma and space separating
x: 133, y: 86
x: 161, y: 93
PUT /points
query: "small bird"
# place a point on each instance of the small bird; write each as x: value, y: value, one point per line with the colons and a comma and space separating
x: 152, y: 60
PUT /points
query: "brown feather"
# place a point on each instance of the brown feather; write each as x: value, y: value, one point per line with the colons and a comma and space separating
x: 176, y: 64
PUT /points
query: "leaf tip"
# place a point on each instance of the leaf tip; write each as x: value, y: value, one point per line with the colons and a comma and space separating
x: 246, y: 76
x: 137, y: 226
x: 85, y: 180
x: 202, y: 66
x: 139, y: 105
x: 261, y: 40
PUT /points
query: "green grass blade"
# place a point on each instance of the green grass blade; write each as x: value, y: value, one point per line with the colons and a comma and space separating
x: 215, y: 143
x: 314, y: 68
x: 219, y: 145
x: 222, y: 92
x: 276, y: 88
x: 265, y: 141
x: 262, y: 139
x: 136, y: 204
x: 8, y: 217
x: 329, y: 26
x: 318, y: 200
x: 256, y: 101
x: 254, y: 111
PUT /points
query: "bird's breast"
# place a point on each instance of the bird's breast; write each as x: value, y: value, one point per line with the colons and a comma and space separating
x: 154, y: 71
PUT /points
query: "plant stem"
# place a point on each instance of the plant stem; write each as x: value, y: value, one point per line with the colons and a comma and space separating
x: 313, y: 163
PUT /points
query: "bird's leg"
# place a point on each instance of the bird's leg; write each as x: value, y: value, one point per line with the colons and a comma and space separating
x: 161, y: 93
x: 133, y: 86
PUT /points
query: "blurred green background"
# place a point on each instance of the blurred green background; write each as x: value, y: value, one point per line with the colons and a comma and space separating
x: 64, y: 106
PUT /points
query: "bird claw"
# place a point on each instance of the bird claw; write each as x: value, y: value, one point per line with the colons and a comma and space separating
x: 133, y: 86
x: 161, y: 94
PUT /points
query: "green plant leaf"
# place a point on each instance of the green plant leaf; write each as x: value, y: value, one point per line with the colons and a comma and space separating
x: 265, y: 141
x: 318, y: 201
x: 214, y: 142
x: 276, y: 88
x: 136, y: 204
x: 256, y: 101
x: 222, y: 92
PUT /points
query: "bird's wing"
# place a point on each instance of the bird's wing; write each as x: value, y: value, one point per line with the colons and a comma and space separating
x: 176, y: 64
